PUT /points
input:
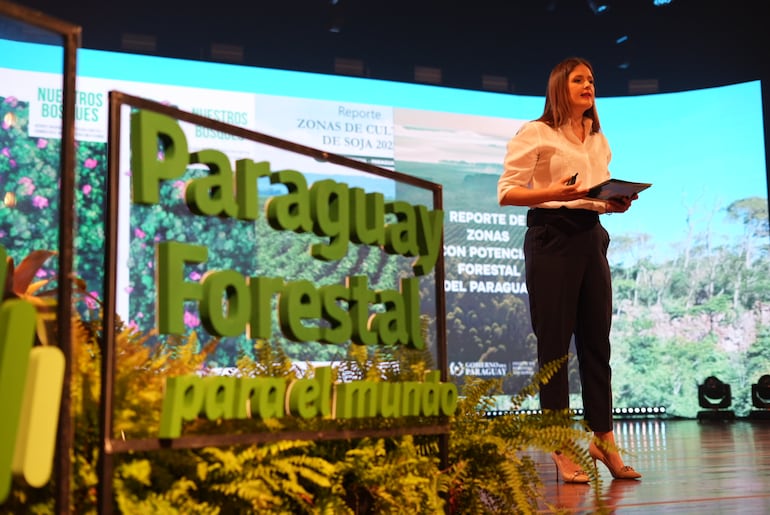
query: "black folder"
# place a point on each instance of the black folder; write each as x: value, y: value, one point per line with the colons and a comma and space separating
x: 614, y: 188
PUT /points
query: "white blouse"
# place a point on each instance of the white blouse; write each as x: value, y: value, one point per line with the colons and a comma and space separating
x: 539, y: 156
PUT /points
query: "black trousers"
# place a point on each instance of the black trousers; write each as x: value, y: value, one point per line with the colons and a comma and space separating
x: 570, y: 293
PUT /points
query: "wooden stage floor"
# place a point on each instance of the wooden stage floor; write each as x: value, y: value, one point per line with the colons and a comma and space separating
x: 688, y: 466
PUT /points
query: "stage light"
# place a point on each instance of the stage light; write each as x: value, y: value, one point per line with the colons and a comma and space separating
x: 634, y: 412
x: 639, y: 412
x: 760, y: 398
x: 715, y: 397
x: 760, y: 393
x: 427, y: 74
x: 336, y: 19
x: 598, y: 7
x: 714, y: 394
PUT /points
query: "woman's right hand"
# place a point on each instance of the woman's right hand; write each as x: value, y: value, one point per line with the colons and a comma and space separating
x: 559, y: 191
x: 563, y: 191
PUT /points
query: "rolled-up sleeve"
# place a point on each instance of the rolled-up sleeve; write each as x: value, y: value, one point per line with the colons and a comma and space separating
x: 520, y: 160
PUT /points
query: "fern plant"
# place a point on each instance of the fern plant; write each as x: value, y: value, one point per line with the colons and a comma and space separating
x: 492, y: 471
x: 277, y: 478
x: 387, y: 476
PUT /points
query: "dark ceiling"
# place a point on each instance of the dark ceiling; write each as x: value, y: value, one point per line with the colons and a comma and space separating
x: 683, y: 45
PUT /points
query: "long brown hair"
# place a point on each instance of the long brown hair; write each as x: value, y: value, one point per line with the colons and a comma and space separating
x: 557, y: 103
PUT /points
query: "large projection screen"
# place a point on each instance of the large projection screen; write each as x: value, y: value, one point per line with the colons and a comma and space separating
x: 689, y: 260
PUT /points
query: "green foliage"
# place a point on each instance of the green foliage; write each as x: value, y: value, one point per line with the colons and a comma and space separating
x: 391, y: 476
x: 276, y: 478
x: 489, y: 470
x: 492, y: 471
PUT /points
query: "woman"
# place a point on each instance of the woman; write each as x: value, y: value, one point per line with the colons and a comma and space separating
x: 550, y: 165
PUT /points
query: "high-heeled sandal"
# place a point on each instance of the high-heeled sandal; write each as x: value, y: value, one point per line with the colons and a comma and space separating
x: 624, y: 472
x: 568, y: 476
